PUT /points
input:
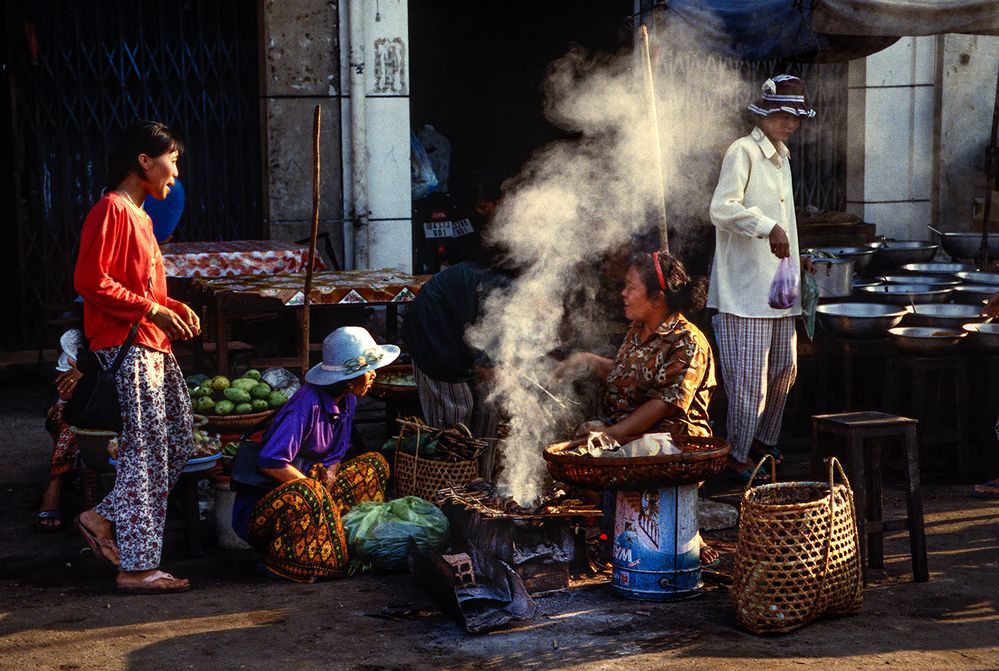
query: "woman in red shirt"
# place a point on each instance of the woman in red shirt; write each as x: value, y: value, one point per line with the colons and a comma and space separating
x: 119, y: 274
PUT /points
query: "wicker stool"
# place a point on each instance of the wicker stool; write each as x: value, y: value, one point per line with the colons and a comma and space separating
x: 865, y: 474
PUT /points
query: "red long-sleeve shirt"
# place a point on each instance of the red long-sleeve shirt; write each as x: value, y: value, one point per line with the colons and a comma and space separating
x: 119, y: 274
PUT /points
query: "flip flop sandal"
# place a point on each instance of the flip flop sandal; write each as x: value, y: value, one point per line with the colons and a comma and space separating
x: 985, y: 491
x: 54, y: 519
x: 773, y: 451
x: 101, y: 547
x: 147, y: 585
x: 712, y: 564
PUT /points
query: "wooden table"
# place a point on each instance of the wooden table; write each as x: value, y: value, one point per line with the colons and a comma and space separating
x: 228, y: 298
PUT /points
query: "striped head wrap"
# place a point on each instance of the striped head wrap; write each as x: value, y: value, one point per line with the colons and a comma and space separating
x: 783, y: 93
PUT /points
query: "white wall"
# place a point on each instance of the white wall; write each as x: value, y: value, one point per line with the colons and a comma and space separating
x: 920, y: 93
x: 386, y: 32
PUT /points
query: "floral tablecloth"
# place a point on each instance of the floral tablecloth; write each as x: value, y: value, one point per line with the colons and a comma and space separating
x: 235, y: 257
x: 328, y: 287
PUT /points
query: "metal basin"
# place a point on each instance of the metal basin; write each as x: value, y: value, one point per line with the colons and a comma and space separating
x: 892, y: 254
x: 975, y: 294
x: 937, y: 268
x: 974, y: 277
x: 968, y: 245
x: 934, y: 280
x: 861, y: 256
x: 925, y: 339
x: 859, y: 320
x: 983, y: 336
x: 906, y: 294
x: 943, y: 315
x: 859, y: 283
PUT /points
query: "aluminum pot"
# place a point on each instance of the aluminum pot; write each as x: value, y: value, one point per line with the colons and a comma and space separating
x: 859, y: 320
x: 834, y: 277
x: 983, y: 336
x: 906, y: 294
x: 925, y: 339
x: 892, y: 254
x: 975, y: 294
x: 937, y: 268
x: 932, y: 280
x: 968, y: 245
x: 861, y: 256
x: 944, y: 315
x: 973, y: 277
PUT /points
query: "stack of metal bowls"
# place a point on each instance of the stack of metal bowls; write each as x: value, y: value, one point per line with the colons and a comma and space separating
x: 944, y: 315
x: 973, y: 294
x: 933, y: 280
x: 859, y: 320
x: 893, y: 254
x: 907, y: 294
x: 936, y: 268
x: 925, y: 339
x: 983, y: 336
x: 968, y: 245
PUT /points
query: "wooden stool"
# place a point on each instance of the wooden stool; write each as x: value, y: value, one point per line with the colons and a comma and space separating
x: 923, y: 372
x: 865, y: 475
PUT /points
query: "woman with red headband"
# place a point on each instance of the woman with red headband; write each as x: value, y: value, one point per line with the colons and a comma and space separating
x: 663, y: 375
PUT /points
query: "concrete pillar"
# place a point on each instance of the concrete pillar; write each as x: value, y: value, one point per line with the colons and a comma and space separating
x: 386, y: 33
x: 300, y: 68
x: 967, y: 77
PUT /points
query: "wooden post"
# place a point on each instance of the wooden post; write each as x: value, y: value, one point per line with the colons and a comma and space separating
x: 312, y: 241
x: 651, y: 89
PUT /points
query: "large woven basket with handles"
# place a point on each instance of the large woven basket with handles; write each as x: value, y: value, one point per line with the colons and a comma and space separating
x: 797, y: 557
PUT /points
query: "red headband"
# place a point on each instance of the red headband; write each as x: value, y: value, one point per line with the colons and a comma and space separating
x: 659, y: 270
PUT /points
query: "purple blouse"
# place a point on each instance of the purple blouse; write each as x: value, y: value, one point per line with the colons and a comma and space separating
x: 309, y: 429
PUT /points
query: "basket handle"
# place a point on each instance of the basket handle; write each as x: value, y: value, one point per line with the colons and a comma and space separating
x: 773, y: 470
x: 834, y: 464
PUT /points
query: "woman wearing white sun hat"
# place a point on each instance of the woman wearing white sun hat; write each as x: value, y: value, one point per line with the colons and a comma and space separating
x: 755, y: 227
x: 302, y: 454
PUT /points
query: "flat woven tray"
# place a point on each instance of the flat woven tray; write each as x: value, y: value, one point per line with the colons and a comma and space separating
x: 393, y: 391
x: 235, y: 423
x: 702, y: 458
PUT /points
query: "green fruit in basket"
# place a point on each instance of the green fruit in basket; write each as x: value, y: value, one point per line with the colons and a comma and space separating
x: 224, y: 408
x: 196, y: 380
x: 252, y: 374
x: 277, y: 399
x: 200, y: 392
x: 244, y: 383
x: 259, y: 405
x: 220, y: 382
x: 229, y: 449
x: 244, y: 409
x: 262, y: 390
x: 203, y: 405
x: 237, y: 395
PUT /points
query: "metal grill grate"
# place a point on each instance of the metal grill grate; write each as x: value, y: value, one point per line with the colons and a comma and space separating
x: 79, y: 72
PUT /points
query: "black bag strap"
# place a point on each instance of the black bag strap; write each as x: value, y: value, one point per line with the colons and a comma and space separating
x: 124, y: 349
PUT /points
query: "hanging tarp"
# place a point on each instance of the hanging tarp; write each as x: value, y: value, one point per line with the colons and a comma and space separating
x: 905, y: 17
x: 762, y: 30
x: 820, y: 30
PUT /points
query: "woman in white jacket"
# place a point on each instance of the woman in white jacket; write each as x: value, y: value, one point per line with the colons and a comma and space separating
x: 753, y: 213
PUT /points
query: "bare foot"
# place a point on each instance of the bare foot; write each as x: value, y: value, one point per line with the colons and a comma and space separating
x: 49, y: 518
x: 708, y: 555
x: 99, y: 534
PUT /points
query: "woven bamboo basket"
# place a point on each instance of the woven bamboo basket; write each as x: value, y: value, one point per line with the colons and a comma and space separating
x: 702, y: 458
x: 797, y: 557
x: 424, y: 477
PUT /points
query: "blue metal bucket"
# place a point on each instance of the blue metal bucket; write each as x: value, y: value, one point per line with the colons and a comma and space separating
x: 657, y: 553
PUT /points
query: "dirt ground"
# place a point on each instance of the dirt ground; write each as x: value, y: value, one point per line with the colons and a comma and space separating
x: 58, y: 609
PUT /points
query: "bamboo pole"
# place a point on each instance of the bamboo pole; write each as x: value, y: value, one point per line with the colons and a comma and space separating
x: 651, y: 89
x: 312, y: 241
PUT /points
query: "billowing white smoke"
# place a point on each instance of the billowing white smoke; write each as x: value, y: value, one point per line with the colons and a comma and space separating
x: 574, y: 201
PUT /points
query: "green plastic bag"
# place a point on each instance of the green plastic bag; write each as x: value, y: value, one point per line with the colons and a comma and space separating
x: 809, y: 301
x: 378, y: 533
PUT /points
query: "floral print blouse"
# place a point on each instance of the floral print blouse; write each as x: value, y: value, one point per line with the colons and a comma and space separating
x: 673, y: 365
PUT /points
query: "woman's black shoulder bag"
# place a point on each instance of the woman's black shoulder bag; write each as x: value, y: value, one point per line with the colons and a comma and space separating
x: 94, y: 403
